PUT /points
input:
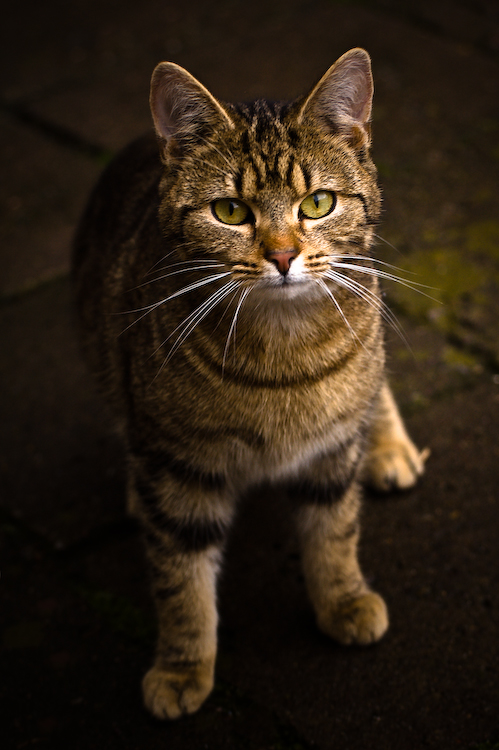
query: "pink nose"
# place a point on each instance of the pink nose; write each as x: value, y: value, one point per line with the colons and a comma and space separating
x: 282, y: 260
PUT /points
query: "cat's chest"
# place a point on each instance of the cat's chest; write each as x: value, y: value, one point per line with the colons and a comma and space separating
x: 284, y: 417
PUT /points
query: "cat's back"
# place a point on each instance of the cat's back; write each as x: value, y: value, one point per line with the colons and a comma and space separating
x: 125, y: 195
x: 120, y: 216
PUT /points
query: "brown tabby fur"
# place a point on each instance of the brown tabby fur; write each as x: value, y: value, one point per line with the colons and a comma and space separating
x: 230, y: 354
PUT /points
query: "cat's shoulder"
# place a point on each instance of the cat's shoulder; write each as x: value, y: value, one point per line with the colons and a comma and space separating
x: 125, y: 197
x: 139, y: 161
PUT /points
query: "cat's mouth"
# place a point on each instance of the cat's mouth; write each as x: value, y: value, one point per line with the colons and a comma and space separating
x: 285, y: 287
x: 288, y: 281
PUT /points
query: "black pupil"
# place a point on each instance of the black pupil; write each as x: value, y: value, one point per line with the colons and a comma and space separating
x: 232, y: 208
x: 316, y: 200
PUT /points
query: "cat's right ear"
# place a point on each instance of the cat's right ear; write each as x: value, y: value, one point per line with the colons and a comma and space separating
x: 183, y: 110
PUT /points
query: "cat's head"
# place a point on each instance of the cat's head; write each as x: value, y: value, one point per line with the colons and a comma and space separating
x: 273, y: 192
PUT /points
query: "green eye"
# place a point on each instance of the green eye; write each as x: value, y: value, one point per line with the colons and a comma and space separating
x: 231, y: 211
x: 318, y: 204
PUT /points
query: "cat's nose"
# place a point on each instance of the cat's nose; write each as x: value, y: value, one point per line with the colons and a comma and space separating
x: 282, y: 260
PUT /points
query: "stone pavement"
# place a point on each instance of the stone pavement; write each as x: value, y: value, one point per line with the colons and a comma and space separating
x: 76, y: 621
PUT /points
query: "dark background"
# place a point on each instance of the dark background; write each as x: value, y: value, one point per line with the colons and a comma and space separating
x: 76, y: 623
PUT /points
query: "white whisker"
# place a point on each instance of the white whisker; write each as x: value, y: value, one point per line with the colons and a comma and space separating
x: 184, y: 245
x: 232, y: 329
x: 360, y: 291
x: 185, y: 290
x: 370, y: 298
x: 379, y: 237
x: 412, y: 285
x: 229, y: 303
x: 160, y: 261
x: 179, y: 293
x: 338, y: 307
x: 186, y: 262
x: 214, y: 264
x: 353, y: 256
x: 178, y: 271
x: 188, y: 325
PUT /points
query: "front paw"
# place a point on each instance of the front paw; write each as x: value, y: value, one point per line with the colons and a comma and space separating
x: 171, y: 693
x: 395, y: 465
x: 360, y: 620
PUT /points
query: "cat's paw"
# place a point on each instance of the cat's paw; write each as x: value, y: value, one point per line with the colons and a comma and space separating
x: 361, y: 620
x: 171, y: 694
x: 395, y: 465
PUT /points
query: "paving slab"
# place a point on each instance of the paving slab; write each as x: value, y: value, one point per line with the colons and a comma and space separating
x: 432, y: 682
x: 60, y: 469
x: 42, y: 191
x: 76, y: 621
x: 432, y: 553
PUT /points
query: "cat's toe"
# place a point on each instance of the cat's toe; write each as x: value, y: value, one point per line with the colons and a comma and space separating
x: 361, y: 620
x: 171, y: 694
x: 395, y: 466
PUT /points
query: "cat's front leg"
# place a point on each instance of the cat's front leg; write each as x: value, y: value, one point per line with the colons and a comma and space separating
x: 185, y: 524
x: 393, y: 462
x: 327, y: 520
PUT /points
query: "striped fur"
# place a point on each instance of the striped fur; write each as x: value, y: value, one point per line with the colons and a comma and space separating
x: 241, y: 353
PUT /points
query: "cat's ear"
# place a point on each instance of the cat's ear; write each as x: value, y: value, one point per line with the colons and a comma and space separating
x: 183, y: 110
x: 342, y: 100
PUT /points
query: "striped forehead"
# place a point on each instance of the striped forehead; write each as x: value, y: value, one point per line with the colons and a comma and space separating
x: 268, y: 158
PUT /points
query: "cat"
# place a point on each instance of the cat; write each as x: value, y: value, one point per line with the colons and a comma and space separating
x: 229, y: 306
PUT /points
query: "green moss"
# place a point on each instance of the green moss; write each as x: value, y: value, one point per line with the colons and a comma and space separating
x: 453, y: 287
x: 417, y: 402
x: 460, y: 359
x: 406, y: 354
x: 482, y: 239
x: 441, y: 278
x: 448, y: 276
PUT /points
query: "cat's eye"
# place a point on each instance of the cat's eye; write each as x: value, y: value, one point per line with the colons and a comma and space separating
x: 317, y: 205
x: 231, y: 211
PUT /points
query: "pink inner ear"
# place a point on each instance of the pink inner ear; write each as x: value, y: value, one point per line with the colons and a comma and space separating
x: 349, y: 91
x: 343, y: 97
x: 361, y: 94
x: 181, y: 106
x: 166, y: 96
x: 161, y: 116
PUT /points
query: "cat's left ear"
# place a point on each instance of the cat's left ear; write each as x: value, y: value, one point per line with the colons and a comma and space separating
x: 183, y: 110
x: 342, y: 100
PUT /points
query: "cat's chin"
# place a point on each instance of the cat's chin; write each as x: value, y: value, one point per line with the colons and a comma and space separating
x: 289, y: 289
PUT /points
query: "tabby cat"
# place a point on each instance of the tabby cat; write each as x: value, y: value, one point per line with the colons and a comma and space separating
x: 230, y: 307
